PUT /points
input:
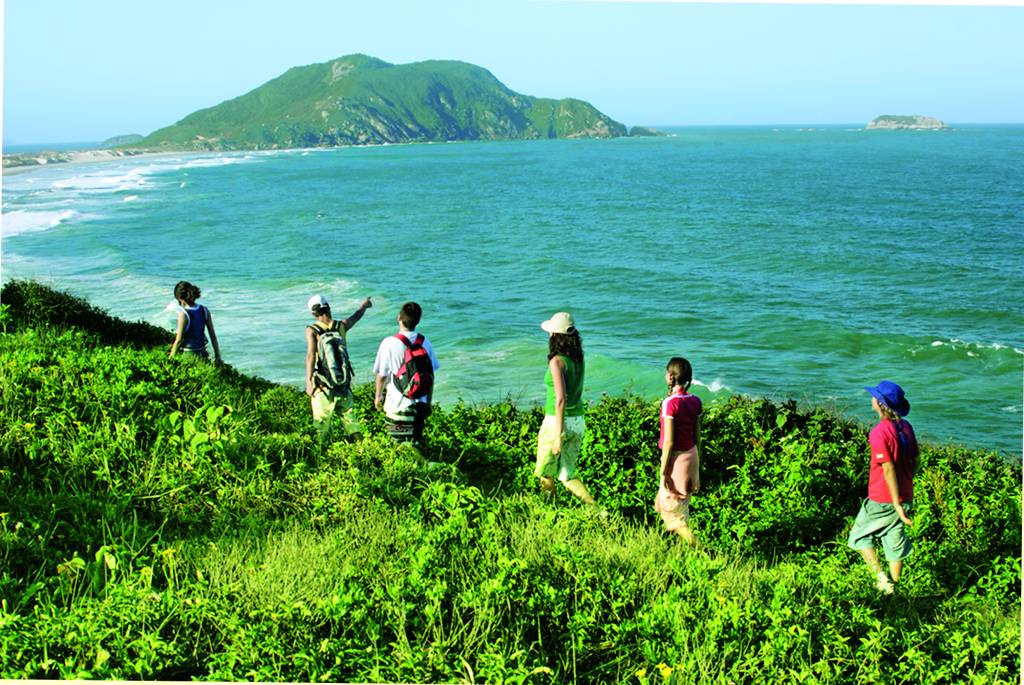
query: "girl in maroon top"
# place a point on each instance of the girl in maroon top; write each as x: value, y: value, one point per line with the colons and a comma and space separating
x: 679, y: 473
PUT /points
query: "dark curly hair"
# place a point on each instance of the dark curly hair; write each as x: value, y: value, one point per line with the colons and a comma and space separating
x: 187, y: 292
x: 568, y: 344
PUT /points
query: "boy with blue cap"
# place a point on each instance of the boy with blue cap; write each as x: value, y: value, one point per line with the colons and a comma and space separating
x: 886, y: 510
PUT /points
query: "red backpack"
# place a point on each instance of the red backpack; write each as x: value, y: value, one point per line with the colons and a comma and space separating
x: 415, y: 377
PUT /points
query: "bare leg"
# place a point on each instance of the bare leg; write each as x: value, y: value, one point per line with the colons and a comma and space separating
x: 871, y: 557
x: 686, y: 534
x: 884, y: 584
x: 895, y: 568
x: 576, y: 487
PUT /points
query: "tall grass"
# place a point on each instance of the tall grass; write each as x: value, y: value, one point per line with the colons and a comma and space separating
x: 171, y: 520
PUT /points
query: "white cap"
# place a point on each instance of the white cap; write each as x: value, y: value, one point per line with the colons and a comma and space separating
x: 316, y: 302
x: 559, y: 323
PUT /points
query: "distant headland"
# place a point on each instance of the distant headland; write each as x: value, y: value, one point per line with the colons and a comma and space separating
x: 361, y: 100
x: 903, y: 121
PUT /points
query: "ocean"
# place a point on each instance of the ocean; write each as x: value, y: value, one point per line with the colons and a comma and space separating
x: 783, y: 262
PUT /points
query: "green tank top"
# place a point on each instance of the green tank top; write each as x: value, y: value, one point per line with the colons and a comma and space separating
x: 573, y: 389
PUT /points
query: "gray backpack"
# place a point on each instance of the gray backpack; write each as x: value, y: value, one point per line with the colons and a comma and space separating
x: 332, y: 370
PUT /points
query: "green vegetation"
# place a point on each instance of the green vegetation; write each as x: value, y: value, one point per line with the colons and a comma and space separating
x: 168, y: 519
x: 358, y: 100
x: 897, y: 118
x: 23, y: 159
x: 126, y: 139
x: 900, y: 121
x: 645, y: 132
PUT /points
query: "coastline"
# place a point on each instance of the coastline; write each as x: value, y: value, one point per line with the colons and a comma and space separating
x: 77, y: 157
x: 73, y: 157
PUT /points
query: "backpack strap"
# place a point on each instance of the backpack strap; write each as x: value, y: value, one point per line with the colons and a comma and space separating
x: 405, y: 340
x: 188, y: 319
x: 317, y: 330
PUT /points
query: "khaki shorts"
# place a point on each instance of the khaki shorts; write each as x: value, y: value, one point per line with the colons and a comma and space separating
x: 562, y: 465
x: 325, y: 406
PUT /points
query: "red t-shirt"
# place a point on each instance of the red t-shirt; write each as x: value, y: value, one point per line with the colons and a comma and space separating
x: 886, y: 446
x: 683, y: 409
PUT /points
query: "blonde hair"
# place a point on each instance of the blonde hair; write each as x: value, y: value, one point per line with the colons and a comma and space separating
x: 886, y: 411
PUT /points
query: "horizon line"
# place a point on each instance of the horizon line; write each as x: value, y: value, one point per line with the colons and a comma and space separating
x: 860, y: 124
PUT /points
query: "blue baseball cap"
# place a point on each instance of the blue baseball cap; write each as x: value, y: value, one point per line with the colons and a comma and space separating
x: 891, y: 395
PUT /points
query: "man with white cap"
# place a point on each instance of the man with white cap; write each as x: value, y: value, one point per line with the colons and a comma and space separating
x: 328, y: 372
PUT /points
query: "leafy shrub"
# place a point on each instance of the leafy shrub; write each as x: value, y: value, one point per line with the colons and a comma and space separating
x: 31, y: 305
x: 177, y: 520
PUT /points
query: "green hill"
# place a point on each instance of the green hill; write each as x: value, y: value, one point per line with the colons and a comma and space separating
x: 166, y: 519
x: 358, y: 100
x: 122, y: 140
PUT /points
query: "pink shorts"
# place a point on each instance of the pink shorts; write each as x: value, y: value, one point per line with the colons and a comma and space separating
x: 673, y: 506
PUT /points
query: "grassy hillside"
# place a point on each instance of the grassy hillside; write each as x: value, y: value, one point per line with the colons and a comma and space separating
x: 167, y: 519
x: 361, y: 100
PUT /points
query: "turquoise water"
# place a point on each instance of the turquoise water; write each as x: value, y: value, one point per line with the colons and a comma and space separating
x: 782, y: 262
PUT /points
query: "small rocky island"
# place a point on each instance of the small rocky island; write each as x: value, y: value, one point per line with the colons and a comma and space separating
x: 645, y: 132
x: 913, y: 121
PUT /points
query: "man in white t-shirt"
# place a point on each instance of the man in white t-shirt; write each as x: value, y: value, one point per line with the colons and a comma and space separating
x: 405, y: 416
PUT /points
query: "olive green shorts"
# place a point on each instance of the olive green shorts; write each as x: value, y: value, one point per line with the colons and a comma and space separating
x: 326, y: 406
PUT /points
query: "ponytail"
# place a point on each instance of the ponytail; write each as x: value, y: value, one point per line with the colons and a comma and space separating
x: 186, y: 292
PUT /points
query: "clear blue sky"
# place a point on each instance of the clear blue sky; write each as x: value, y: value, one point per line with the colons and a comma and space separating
x: 78, y: 70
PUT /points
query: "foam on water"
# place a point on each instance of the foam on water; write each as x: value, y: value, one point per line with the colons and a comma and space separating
x: 28, y: 208
x: 24, y: 221
x: 715, y: 386
x: 972, y: 348
x: 204, y: 162
x: 102, y: 182
x: 773, y: 298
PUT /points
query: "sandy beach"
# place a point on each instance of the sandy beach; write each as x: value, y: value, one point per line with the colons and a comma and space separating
x: 46, y: 159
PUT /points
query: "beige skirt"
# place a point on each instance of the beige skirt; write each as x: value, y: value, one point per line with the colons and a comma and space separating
x: 671, y: 503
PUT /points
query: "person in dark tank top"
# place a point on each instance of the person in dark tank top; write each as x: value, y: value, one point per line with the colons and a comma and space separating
x: 194, y: 320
